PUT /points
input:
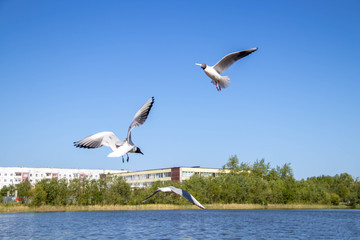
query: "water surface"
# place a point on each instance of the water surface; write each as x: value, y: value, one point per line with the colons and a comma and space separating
x: 183, y: 224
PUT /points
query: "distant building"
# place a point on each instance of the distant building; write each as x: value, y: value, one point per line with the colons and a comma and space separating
x: 15, y: 175
x: 145, y: 178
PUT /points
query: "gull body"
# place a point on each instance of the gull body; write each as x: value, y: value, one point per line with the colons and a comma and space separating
x: 109, y: 139
x: 214, y: 71
x: 178, y: 191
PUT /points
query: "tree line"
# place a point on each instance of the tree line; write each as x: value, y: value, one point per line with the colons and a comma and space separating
x: 243, y: 183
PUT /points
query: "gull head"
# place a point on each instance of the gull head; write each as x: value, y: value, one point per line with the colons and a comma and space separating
x: 138, y: 151
x: 203, y: 66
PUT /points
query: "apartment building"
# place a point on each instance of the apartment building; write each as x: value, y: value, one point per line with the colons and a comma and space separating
x: 145, y: 178
x: 15, y: 175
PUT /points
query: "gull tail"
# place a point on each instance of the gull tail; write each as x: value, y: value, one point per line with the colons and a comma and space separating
x: 113, y: 154
x: 225, y: 82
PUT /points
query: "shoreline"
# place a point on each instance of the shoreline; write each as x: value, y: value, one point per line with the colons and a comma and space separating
x: 14, y: 208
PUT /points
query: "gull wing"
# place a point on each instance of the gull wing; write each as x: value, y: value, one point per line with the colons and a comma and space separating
x: 98, y: 140
x: 186, y: 195
x: 152, y: 195
x: 140, y: 117
x: 229, y: 59
x: 164, y: 189
x: 180, y: 192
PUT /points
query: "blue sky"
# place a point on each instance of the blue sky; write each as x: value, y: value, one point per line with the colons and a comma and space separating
x: 69, y: 69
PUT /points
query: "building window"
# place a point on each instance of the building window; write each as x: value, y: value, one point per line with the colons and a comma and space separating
x: 11, y: 174
x: 159, y: 175
x: 167, y: 174
x: 187, y: 173
x: 5, y: 174
x: 150, y: 176
x: 206, y: 174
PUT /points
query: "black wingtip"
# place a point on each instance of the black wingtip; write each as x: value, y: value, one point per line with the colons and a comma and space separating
x: 78, y: 145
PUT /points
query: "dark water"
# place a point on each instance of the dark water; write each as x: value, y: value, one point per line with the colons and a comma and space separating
x: 183, y: 224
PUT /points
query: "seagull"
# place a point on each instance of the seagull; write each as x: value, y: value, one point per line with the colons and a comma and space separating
x: 178, y: 191
x: 214, y: 71
x: 109, y: 138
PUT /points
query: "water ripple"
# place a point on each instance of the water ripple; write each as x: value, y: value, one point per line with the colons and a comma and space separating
x: 183, y: 224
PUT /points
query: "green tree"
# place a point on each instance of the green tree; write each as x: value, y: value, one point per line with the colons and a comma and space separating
x: 335, y: 199
x: 272, y: 175
x: 74, y: 190
x: 244, y: 168
x: 232, y: 164
x: 39, y: 196
x: 285, y: 171
x: 62, y: 193
x: 354, y: 194
x: 11, y: 189
x: 3, y: 191
x: 118, y: 192
x: 51, y: 187
x: 23, y: 189
x: 260, y: 168
x: 84, y: 197
x: 96, y: 195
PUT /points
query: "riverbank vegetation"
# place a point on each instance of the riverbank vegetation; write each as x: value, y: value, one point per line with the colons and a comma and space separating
x: 257, y: 185
x: 17, y: 207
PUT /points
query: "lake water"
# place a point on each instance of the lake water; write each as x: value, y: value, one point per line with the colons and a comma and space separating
x: 183, y: 224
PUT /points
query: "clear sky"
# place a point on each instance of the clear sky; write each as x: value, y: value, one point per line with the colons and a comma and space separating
x: 69, y: 69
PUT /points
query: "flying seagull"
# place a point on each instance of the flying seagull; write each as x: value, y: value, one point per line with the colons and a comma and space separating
x: 214, y: 71
x: 178, y: 191
x: 109, y: 139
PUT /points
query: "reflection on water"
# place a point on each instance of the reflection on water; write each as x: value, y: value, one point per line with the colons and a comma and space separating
x: 183, y: 224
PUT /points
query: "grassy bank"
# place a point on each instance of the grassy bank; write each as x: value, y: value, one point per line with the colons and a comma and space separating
x: 11, y: 208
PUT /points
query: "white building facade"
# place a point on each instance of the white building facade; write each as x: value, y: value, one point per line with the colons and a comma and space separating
x: 15, y: 175
x: 145, y: 178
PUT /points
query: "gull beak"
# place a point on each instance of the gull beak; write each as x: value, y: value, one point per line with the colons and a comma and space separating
x: 198, y: 64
